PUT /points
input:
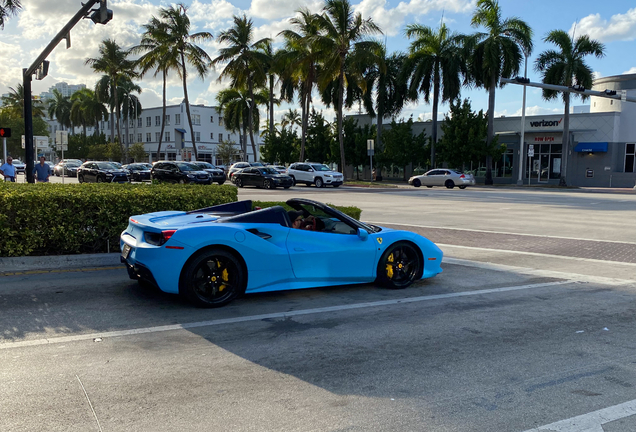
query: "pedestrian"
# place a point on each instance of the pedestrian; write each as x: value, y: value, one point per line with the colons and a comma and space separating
x: 8, y: 170
x: 42, y: 171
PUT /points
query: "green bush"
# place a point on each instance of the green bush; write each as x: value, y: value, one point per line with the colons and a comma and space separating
x: 354, y: 212
x: 56, y: 219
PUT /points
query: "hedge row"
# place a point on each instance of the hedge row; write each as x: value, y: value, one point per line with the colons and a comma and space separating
x: 55, y: 219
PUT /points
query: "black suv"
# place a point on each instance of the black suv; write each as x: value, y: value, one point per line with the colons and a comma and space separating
x: 101, y: 172
x: 179, y: 172
x: 217, y: 174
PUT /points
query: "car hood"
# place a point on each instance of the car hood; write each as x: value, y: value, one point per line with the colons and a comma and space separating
x: 278, y: 176
x: 214, y: 171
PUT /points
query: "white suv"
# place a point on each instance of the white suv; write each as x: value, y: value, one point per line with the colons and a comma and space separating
x: 314, y: 173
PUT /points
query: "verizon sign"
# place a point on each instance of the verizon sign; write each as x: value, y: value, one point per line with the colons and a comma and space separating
x: 546, y: 123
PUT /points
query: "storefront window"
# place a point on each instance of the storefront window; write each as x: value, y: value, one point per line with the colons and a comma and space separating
x: 546, y: 162
x: 630, y: 157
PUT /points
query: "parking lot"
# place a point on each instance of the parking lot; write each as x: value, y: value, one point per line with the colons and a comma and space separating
x: 529, y: 326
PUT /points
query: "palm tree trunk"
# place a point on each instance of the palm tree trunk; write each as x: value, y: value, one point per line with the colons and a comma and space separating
x: 187, y: 102
x: 251, y: 120
x: 340, y: 103
x: 244, y: 143
x: 127, y: 124
x: 304, y: 126
x: 565, y: 141
x: 118, y: 115
x: 163, y: 115
x: 490, y: 130
x: 112, y: 124
x: 378, y: 144
x: 271, y: 106
x: 435, y: 108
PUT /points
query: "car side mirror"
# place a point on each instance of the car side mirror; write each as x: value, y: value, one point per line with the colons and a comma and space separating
x: 363, y: 234
x: 311, y: 170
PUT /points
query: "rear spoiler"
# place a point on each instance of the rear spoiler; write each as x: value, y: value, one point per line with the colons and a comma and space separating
x: 236, y: 208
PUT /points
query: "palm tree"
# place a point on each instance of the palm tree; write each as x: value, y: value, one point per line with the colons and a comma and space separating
x: 158, y: 54
x: 178, y: 31
x: 113, y: 61
x: 291, y: 118
x: 272, y: 69
x: 566, y: 67
x: 496, y: 53
x: 343, y: 33
x: 59, y: 107
x: 14, y: 103
x: 130, y: 105
x: 435, y: 60
x: 245, y: 62
x: 8, y: 8
x: 301, y: 61
x: 79, y: 103
x: 235, y: 106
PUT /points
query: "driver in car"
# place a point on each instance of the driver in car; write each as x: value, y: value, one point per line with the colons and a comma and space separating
x: 309, y: 223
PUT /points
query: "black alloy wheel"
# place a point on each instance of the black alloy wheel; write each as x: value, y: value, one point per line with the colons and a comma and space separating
x: 239, y: 182
x: 462, y: 187
x: 293, y: 180
x: 399, y: 266
x: 267, y: 184
x: 100, y: 179
x: 213, y: 278
x: 429, y: 186
x: 80, y: 178
x: 182, y: 181
x: 449, y: 184
x: 417, y: 183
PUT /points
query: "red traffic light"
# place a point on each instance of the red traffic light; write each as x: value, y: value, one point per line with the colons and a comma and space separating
x: 5, y: 132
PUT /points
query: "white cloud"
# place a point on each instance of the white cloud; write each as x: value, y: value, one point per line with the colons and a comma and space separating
x: 530, y: 111
x: 618, y: 27
x: 276, y: 9
x: 630, y: 71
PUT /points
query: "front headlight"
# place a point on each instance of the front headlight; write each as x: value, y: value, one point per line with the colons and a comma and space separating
x: 190, y: 176
x: 328, y: 175
x: 109, y: 175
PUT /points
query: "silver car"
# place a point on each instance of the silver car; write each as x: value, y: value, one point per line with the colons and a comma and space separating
x: 443, y: 177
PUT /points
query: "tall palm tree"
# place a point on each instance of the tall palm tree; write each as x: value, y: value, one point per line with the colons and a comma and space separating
x: 435, y: 60
x: 235, y: 105
x: 301, y: 62
x: 8, y: 8
x: 14, y: 102
x: 158, y: 54
x: 79, y: 103
x: 342, y: 32
x: 94, y: 109
x: 291, y: 118
x: 59, y: 107
x: 189, y: 54
x: 272, y: 67
x: 496, y: 53
x: 130, y: 105
x: 245, y: 62
x: 113, y: 61
x: 566, y: 67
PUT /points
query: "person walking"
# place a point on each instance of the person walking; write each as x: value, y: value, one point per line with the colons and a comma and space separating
x: 8, y: 170
x: 42, y: 171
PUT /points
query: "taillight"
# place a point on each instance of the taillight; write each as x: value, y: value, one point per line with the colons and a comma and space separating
x: 167, y: 234
x: 158, y: 239
x: 462, y: 176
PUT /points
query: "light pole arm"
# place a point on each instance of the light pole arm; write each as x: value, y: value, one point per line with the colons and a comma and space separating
x: 567, y: 89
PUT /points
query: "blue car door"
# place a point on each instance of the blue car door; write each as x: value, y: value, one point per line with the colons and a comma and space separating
x: 324, y: 256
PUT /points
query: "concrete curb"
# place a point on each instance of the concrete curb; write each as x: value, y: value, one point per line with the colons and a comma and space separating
x: 56, y: 262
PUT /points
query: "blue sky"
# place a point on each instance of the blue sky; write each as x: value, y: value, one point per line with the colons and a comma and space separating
x: 612, y: 22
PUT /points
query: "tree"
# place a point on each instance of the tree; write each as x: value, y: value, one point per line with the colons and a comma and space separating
x: 137, y: 152
x: 435, y: 63
x: 496, y: 53
x: 86, y: 109
x: 130, y: 105
x: 342, y: 33
x: 14, y: 102
x: 178, y: 31
x: 113, y: 61
x: 464, y: 137
x: 291, y: 118
x: 8, y: 8
x: 59, y: 107
x: 402, y: 148
x: 158, y: 54
x: 10, y: 118
x: 355, y: 138
x: 226, y: 151
x: 566, y: 67
x: 245, y: 63
x: 281, y: 147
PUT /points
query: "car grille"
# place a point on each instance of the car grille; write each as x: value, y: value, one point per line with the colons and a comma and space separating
x: 202, y: 176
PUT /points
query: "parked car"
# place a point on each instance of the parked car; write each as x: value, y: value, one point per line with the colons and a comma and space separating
x: 20, y: 167
x: 101, y: 172
x: 239, y: 166
x: 314, y: 173
x: 139, y: 171
x: 179, y: 172
x: 217, y: 174
x: 281, y: 169
x: 443, y: 177
x: 215, y: 254
x: 265, y: 177
x: 68, y: 167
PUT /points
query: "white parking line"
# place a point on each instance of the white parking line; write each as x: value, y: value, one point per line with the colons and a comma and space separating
x: 591, y: 422
x: 131, y: 332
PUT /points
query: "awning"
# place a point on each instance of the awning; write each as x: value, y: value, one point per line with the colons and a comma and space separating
x: 183, y: 131
x: 591, y: 147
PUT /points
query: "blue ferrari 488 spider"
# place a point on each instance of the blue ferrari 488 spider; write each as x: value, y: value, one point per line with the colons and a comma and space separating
x: 215, y: 254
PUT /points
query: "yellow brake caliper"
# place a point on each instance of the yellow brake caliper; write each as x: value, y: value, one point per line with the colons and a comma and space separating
x: 225, y: 276
x: 389, y: 267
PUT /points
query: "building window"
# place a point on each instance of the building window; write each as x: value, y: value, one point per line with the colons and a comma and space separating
x: 611, y: 102
x: 630, y: 157
x: 220, y: 121
x: 177, y: 119
x: 196, y: 119
x: 211, y: 135
x: 157, y: 136
x: 139, y: 123
x: 503, y: 167
x: 211, y: 119
x: 131, y: 123
x: 157, y: 120
x: 132, y: 138
x: 148, y: 121
x: 197, y: 136
x: 139, y: 137
x: 220, y: 137
x: 148, y: 139
x: 167, y: 136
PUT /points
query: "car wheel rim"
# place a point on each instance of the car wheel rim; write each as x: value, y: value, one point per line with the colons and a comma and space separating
x: 266, y: 184
x: 318, y: 183
x: 215, y: 279
x: 402, y: 265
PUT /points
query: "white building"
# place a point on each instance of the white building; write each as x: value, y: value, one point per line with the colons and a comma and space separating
x: 64, y: 88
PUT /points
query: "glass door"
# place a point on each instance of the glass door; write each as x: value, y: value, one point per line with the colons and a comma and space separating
x: 544, y: 170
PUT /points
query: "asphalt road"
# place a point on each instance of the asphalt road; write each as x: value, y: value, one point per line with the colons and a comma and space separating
x: 530, y: 325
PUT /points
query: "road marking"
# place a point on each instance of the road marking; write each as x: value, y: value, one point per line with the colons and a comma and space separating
x: 64, y: 339
x: 499, y: 232
x: 537, y: 254
x: 31, y: 272
x: 591, y: 422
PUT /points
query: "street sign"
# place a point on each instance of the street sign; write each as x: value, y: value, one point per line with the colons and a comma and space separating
x: 41, y: 142
x: 5, y: 132
x: 61, y: 147
x: 23, y: 145
x: 530, y: 150
x: 61, y: 137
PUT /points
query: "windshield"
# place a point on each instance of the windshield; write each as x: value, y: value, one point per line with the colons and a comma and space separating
x: 205, y: 165
x: 256, y: 164
x: 188, y: 167
x: 106, y: 166
x: 268, y: 170
x: 321, y: 167
x: 72, y: 164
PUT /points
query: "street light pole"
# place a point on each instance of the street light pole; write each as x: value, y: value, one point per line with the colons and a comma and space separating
x: 523, y: 125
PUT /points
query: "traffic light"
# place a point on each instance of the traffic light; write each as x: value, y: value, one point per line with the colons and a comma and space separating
x: 578, y: 87
x: 610, y: 92
x: 522, y: 80
x: 103, y: 14
x: 5, y: 132
x: 43, y: 70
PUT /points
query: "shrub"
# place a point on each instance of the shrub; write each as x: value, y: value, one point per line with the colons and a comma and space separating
x: 354, y: 212
x: 55, y: 219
